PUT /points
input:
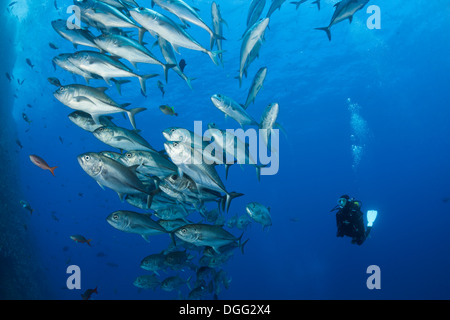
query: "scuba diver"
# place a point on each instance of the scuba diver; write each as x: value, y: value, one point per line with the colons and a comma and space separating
x: 349, y: 219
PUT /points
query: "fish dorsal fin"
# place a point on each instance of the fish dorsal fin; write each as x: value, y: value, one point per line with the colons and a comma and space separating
x: 102, y: 89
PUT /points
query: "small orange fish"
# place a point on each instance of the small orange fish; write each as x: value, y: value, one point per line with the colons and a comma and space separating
x: 79, y: 238
x: 41, y: 163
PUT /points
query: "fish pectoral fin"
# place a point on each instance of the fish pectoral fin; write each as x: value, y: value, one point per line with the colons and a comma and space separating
x: 101, y: 186
x: 146, y: 237
x: 83, y: 99
x: 121, y: 139
x: 121, y: 196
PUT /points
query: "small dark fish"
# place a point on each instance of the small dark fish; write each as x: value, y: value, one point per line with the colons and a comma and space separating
x: 8, y: 76
x: 61, y: 139
x: 56, y: 5
x: 29, y: 105
x: 54, y: 81
x: 26, y: 205
x: 53, y: 46
x: 29, y: 63
x: 80, y: 194
x: 112, y: 264
x: 161, y: 87
x: 54, y: 217
x: 445, y: 200
x: 87, y: 294
x: 20, y: 82
x: 12, y: 3
x: 182, y: 64
x: 101, y: 254
x: 19, y: 143
x: 25, y: 117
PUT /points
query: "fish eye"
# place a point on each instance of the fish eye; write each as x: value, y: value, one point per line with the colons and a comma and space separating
x: 87, y: 158
x: 174, y: 177
x: 175, y: 144
x: 115, y: 216
x: 128, y: 155
x: 172, y: 130
x: 183, y: 230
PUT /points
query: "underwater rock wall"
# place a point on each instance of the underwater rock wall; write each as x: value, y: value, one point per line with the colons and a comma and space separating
x: 18, y: 264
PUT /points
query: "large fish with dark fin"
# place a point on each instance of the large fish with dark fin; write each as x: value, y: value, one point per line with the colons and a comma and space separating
x: 252, y: 38
x: 344, y: 10
x: 186, y: 14
x: 114, y: 175
x: 93, y: 101
x: 106, y: 67
x: 165, y: 27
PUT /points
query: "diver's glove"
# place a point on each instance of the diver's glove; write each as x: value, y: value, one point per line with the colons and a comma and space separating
x: 371, y: 216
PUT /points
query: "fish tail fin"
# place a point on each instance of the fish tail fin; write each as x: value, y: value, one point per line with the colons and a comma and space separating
x: 327, y: 30
x: 176, y: 114
x: 131, y: 113
x: 230, y: 196
x: 95, y: 290
x: 258, y: 170
x: 52, y: 170
x: 119, y: 84
x: 241, y: 245
x: 143, y: 79
x: 188, y: 81
x: 214, y: 56
x: 214, y: 38
x: 89, y: 242
x: 141, y: 34
x: 166, y: 68
x: 297, y: 4
x: 318, y: 3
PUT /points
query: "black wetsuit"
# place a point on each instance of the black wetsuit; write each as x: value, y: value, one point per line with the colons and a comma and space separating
x: 350, y: 222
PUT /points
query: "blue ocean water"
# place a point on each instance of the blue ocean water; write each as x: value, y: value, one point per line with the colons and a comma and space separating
x: 365, y: 114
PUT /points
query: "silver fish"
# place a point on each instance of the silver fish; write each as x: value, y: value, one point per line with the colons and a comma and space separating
x: 150, y: 163
x: 93, y: 101
x: 276, y: 4
x: 254, y: 12
x: 154, y: 262
x: 129, y: 49
x: 102, y: 15
x: 251, y: 38
x: 85, y: 121
x: 206, y: 235
x: 218, y: 29
x: 114, y: 175
x: 76, y: 36
x: 169, y: 30
x: 268, y: 121
x: 344, y: 10
x: 169, y: 55
x: 148, y: 281
x: 204, y: 175
x: 233, y: 109
x: 122, y: 139
x: 186, y: 14
x: 257, y: 84
x: 133, y: 222
x: 259, y: 213
x: 105, y: 67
